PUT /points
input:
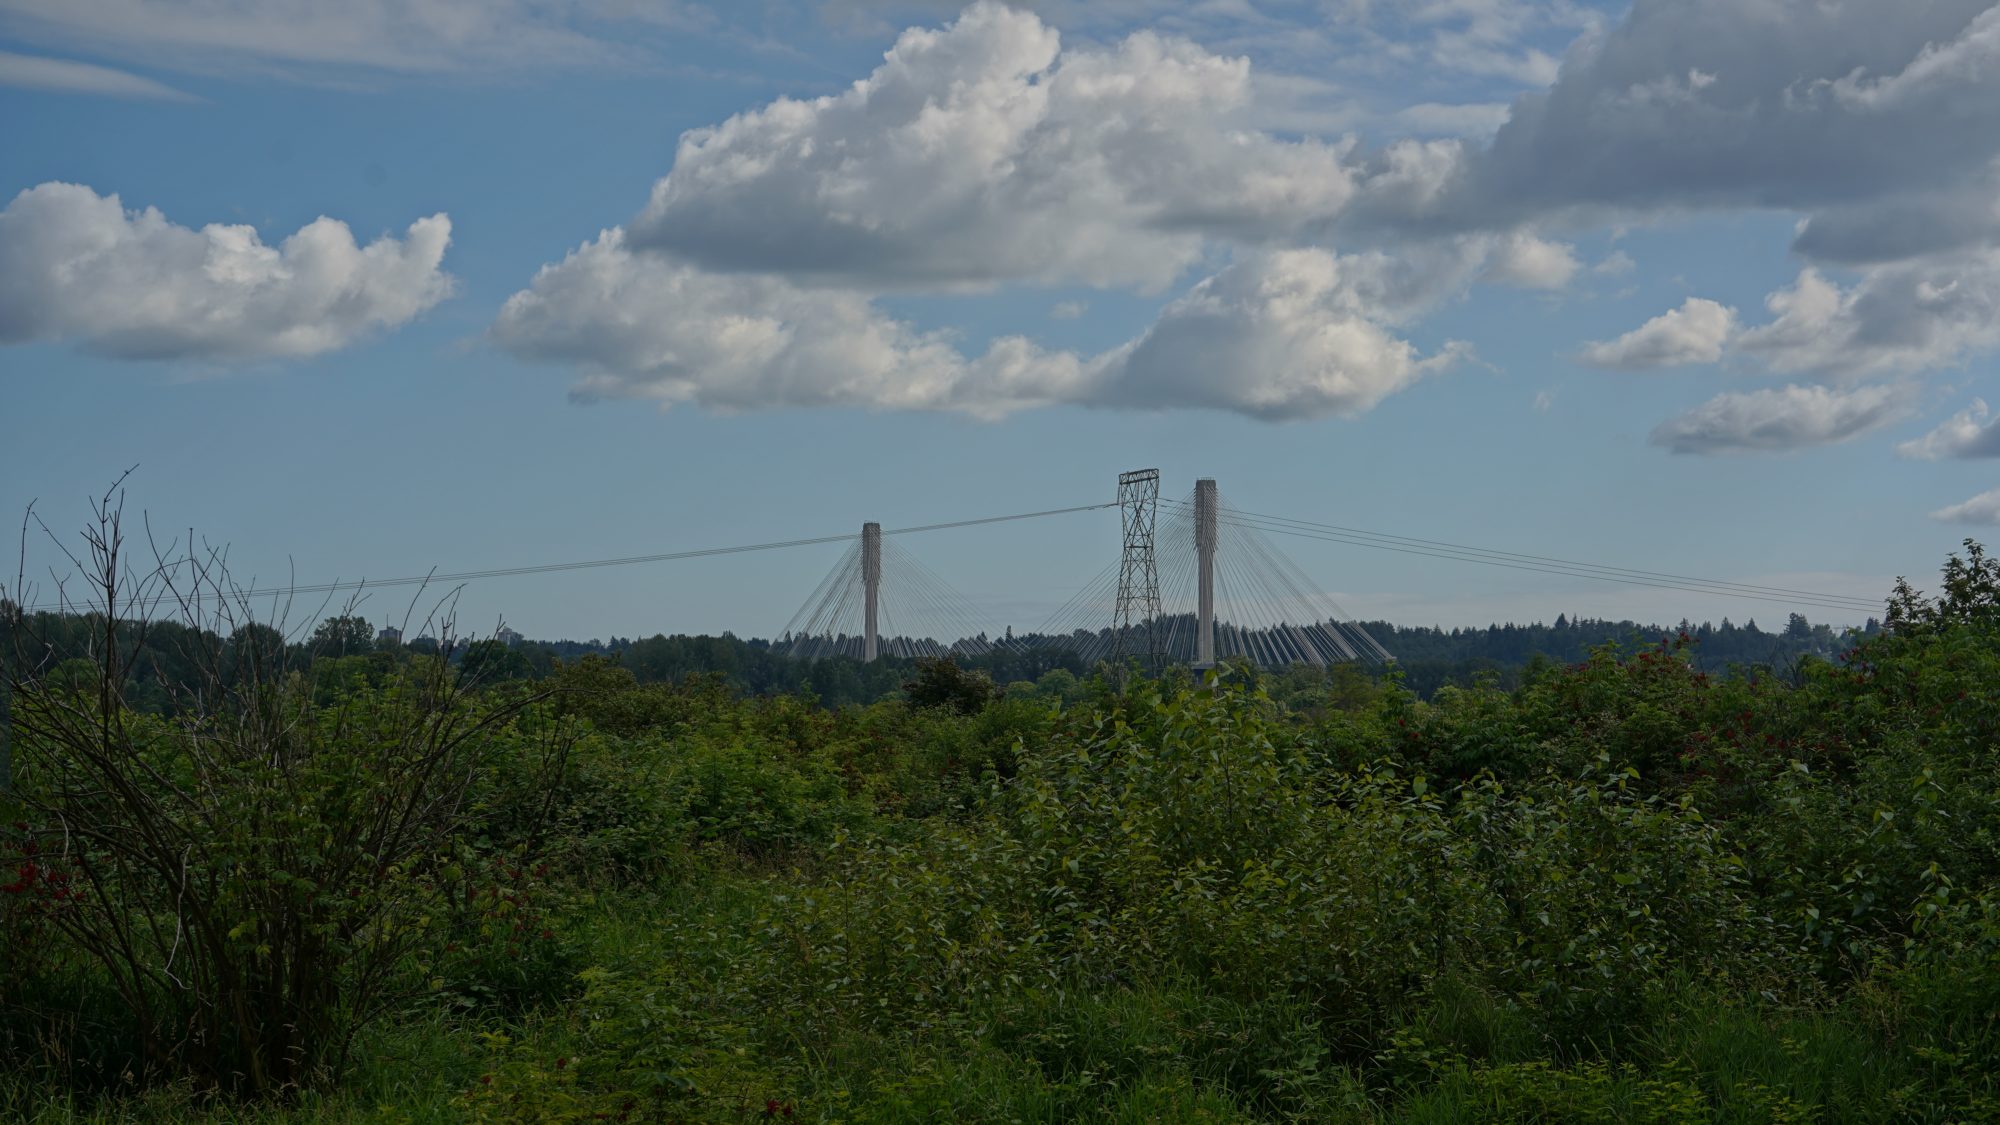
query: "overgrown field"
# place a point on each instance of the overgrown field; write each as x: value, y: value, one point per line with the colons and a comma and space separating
x: 1629, y: 890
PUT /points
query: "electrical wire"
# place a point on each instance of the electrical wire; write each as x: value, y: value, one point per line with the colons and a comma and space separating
x: 590, y: 564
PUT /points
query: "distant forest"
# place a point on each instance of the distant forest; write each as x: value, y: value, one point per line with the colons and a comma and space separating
x: 164, y: 654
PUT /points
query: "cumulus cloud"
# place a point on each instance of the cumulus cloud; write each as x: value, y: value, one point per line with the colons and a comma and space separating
x: 1792, y: 417
x: 1284, y: 335
x: 1982, y: 509
x: 1965, y: 434
x: 1899, y: 318
x: 1779, y: 103
x: 38, y: 72
x: 643, y: 325
x: 1907, y: 225
x: 1530, y: 262
x: 1964, y: 60
x: 1693, y: 333
x: 1880, y: 124
x: 986, y: 153
x: 983, y: 152
x: 1292, y: 334
x: 76, y: 265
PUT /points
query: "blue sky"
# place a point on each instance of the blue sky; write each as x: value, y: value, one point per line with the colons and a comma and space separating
x: 1708, y: 287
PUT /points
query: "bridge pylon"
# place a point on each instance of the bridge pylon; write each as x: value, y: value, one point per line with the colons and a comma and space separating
x: 871, y: 589
x: 1204, y: 550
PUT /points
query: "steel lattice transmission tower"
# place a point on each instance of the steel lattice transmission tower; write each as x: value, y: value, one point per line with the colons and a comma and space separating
x: 1138, y: 571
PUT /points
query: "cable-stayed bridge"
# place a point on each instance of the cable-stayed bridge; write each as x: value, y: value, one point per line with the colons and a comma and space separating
x: 1191, y: 580
x: 1192, y: 584
x: 1195, y: 581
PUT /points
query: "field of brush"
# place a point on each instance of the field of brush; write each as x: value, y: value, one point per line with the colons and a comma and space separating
x: 367, y: 889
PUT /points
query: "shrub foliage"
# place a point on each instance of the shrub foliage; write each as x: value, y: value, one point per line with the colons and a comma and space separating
x: 1630, y: 889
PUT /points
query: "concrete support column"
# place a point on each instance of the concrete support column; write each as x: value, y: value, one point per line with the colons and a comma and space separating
x: 871, y: 584
x: 1204, y: 549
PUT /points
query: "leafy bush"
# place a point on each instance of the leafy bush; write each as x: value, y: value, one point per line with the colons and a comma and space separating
x: 942, y: 683
x: 251, y: 875
x: 1629, y: 889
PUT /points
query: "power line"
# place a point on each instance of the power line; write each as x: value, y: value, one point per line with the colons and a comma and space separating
x: 1280, y: 525
x: 1483, y: 557
x: 590, y: 564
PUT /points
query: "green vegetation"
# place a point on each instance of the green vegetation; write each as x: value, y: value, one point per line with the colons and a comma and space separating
x: 347, y: 886
x: 163, y: 663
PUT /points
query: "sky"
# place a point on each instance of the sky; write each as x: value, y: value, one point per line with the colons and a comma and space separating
x: 1704, y: 287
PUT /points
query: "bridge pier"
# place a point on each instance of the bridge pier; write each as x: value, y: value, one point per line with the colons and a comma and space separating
x: 871, y: 586
x: 1204, y: 548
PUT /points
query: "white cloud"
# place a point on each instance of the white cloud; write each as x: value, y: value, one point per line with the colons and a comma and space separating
x: 1965, y: 434
x: 76, y: 265
x: 1774, y: 103
x: 304, y: 36
x: 1069, y: 310
x: 1981, y: 509
x: 1529, y: 262
x: 1899, y: 318
x: 1791, y: 417
x: 1693, y: 333
x: 982, y: 152
x: 1879, y: 123
x: 1544, y: 400
x: 986, y: 153
x: 1295, y: 334
x: 37, y: 72
x: 647, y: 326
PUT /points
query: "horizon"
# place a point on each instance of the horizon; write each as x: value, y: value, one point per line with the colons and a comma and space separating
x: 1665, y: 287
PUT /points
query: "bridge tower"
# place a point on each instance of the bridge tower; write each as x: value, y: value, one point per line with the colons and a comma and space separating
x: 1204, y: 550
x: 871, y: 585
x: 1138, y: 569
